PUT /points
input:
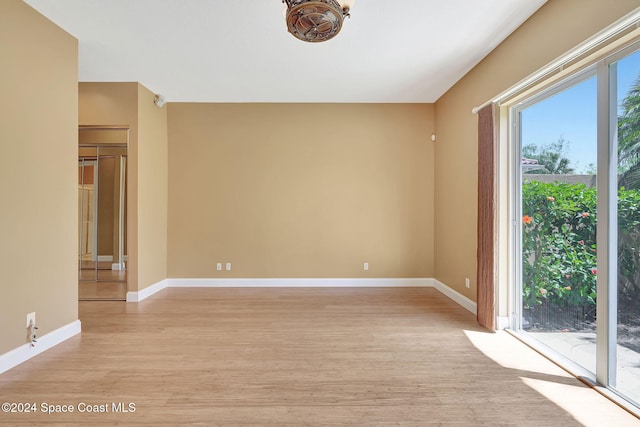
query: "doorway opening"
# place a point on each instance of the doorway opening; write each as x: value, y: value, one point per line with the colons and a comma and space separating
x: 102, y: 212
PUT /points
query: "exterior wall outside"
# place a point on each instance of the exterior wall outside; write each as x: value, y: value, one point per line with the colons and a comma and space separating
x: 588, y: 180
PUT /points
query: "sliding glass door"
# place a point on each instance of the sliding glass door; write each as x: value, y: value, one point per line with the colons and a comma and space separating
x: 577, y: 175
x: 625, y: 120
x: 558, y: 232
x: 102, y: 195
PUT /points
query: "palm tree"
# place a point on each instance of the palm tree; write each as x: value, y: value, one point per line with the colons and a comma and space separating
x: 629, y: 139
x: 629, y: 178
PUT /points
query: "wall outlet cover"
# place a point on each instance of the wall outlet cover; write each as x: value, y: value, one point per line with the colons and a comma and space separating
x: 31, y: 317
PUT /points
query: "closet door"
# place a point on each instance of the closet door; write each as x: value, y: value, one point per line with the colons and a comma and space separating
x: 102, y: 202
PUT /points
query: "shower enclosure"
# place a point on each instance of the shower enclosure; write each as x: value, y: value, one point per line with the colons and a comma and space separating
x: 102, y: 212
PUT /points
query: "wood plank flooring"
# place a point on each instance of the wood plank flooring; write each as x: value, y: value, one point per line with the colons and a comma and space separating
x: 103, y: 284
x: 110, y: 291
x: 298, y: 356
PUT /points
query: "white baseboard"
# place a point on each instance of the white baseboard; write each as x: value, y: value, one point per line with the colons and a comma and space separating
x: 133, y: 296
x: 105, y: 258
x: 137, y: 296
x: 118, y: 266
x: 45, y: 342
x: 299, y: 283
x: 456, y: 296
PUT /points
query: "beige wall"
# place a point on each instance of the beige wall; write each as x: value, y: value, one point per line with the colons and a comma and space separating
x: 300, y: 190
x: 556, y: 28
x: 132, y: 104
x: 38, y: 174
x: 152, y: 190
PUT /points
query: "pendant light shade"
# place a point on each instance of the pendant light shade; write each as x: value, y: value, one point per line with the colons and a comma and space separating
x: 316, y: 20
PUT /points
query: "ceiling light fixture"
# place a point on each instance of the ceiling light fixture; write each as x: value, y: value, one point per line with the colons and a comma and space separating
x: 316, y: 20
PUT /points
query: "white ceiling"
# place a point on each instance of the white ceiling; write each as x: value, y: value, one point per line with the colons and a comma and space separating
x: 240, y: 50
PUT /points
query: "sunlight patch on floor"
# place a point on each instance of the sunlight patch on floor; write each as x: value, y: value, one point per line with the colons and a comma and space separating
x: 508, y: 352
x: 581, y: 402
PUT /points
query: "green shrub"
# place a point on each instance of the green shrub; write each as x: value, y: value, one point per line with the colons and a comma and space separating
x: 559, y: 244
x: 628, y: 248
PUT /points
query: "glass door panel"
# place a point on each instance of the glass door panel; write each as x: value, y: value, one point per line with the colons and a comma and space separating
x: 558, y: 178
x: 625, y: 76
x: 87, y: 248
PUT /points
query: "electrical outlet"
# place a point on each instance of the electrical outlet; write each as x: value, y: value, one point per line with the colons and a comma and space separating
x: 31, y: 317
x: 219, y: 266
x: 366, y: 266
x: 467, y: 282
x: 228, y: 266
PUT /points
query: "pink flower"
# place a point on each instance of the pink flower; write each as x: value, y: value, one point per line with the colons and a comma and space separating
x: 551, y: 199
x: 581, y: 242
x: 594, y: 270
x: 543, y: 291
x: 585, y: 214
x: 568, y: 288
x: 568, y: 276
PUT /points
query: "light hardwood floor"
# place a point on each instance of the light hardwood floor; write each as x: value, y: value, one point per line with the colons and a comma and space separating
x: 104, y: 284
x: 102, y: 291
x: 358, y: 356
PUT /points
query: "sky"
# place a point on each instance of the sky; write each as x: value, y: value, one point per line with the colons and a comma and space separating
x: 572, y: 115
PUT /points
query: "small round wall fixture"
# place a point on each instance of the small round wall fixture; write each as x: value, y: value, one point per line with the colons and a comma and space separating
x: 159, y: 100
x: 315, y: 20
